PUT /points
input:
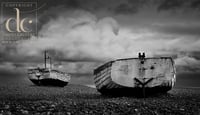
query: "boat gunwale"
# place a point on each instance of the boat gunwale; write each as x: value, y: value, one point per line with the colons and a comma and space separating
x: 109, y: 63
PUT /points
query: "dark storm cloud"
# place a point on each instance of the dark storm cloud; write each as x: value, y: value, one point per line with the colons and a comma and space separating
x: 178, y: 4
x: 112, y: 6
x: 91, y: 35
x: 129, y: 7
x: 195, y: 4
x: 125, y: 9
x: 123, y: 6
x: 120, y: 6
x: 170, y: 4
x: 185, y: 29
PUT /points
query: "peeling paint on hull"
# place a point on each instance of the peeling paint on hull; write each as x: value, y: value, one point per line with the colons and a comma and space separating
x: 47, y: 77
x: 135, y: 75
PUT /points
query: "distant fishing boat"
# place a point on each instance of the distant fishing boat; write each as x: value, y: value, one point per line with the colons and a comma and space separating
x: 136, y: 76
x: 47, y: 76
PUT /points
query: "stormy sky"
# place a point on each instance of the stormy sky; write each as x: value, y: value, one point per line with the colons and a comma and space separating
x: 82, y: 34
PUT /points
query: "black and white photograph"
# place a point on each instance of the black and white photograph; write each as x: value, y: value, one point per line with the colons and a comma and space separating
x: 99, y: 57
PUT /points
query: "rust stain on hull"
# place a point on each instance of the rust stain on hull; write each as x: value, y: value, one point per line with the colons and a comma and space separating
x: 136, y: 73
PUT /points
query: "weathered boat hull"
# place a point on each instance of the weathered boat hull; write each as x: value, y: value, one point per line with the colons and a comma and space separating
x: 44, y: 77
x: 49, y: 82
x: 135, y: 76
x: 118, y: 90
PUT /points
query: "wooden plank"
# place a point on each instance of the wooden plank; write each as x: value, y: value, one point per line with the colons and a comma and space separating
x: 123, y: 72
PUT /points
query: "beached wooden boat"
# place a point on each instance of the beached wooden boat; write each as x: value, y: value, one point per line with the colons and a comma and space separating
x: 136, y: 76
x: 48, y: 76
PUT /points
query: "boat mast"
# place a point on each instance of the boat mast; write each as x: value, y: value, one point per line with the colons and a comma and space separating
x: 50, y: 61
x: 45, y: 57
x: 45, y: 60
